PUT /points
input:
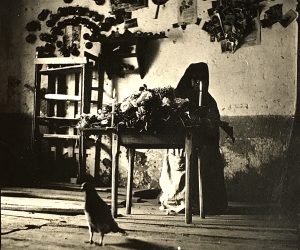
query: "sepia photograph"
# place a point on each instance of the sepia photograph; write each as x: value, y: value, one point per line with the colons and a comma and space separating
x: 136, y: 124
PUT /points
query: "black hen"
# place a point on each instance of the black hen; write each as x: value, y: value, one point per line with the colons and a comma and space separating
x: 98, y: 214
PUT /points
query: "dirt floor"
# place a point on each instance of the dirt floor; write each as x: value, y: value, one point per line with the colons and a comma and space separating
x: 52, y: 218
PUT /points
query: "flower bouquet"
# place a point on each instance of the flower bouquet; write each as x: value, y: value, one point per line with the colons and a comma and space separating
x: 144, y: 110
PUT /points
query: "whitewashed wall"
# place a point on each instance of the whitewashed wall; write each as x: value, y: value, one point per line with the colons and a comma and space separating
x: 257, y: 80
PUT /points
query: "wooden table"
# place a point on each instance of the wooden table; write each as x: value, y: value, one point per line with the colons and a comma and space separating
x: 188, y: 138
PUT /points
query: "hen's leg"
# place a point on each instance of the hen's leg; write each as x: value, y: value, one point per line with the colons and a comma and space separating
x: 91, y: 236
x: 101, y: 239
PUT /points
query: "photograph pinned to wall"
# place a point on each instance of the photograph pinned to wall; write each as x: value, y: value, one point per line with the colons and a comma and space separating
x: 288, y: 18
x: 254, y: 36
x: 74, y: 34
x: 187, y: 11
x: 71, y: 41
x: 228, y: 46
x: 128, y: 5
x: 131, y: 23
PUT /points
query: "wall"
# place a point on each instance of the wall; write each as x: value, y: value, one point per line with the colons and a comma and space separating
x: 3, y: 52
x: 15, y: 125
x: 255, y: 87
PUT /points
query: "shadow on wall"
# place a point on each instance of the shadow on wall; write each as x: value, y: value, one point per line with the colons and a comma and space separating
x: 147, y: 54
x: 254, y: 163
x: 254, y: 185
x: 17, y: 162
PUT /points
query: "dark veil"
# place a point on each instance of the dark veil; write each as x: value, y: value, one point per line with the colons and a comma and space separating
x: 184, y: 88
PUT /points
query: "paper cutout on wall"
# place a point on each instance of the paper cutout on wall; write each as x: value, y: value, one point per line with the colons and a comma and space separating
x: 187, y: 11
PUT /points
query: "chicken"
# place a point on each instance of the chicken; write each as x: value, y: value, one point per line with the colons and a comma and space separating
x: 98, y: 214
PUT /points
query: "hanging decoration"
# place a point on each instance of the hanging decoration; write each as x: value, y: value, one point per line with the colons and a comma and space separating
x: 44, y: 14
x: 231, y: 21
x: 31, y: 38
x: 128, y: 5
x: 74, y: 17
x: 64, y: 19
x: 158, y: 3
x: 33, y: 26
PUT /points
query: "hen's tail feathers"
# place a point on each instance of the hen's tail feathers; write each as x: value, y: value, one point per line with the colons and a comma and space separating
x: 120, y: 230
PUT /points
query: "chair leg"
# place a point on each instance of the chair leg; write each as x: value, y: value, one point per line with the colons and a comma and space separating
x: 188, y: 179
x: 82, y: 158
x: 201, y: 213
x: 115, y: 174
x: 131, y: 154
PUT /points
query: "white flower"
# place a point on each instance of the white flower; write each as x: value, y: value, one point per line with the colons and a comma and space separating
x: 148, y: 95
x: 104, y: 122
x: 134, y: 103
x: 126, y: 105
x: 142, y: 110
x: 179, y: 102
x: 145, y: 96
x: 166, y: 101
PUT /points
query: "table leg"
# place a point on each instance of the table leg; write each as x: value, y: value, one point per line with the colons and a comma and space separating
x: 97, y: 158
x: 188, y: 179
x: 82, y: 157
x: 131, y: 154
x: 115, y: 174
x: 201, y: 213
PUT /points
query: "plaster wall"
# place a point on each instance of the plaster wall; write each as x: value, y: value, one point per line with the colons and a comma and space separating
x: 258, y: 80
x: 4, y: 31
x: 255, y: 87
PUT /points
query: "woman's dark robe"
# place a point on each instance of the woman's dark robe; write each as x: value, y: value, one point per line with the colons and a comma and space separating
x: 214, y: 191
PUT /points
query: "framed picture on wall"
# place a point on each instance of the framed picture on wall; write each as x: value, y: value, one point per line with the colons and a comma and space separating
x: 70, y: 44
x: 128, y: 5
x: 187, y: 11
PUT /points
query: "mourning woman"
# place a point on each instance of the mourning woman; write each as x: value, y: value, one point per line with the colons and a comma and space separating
x: 172, y: 177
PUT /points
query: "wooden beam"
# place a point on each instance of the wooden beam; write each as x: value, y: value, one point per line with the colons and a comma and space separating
x: 60, y: 136
x: 62, y: 70
x: 62, y: 97
x: 60, y: 60
x: 56, y: 118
